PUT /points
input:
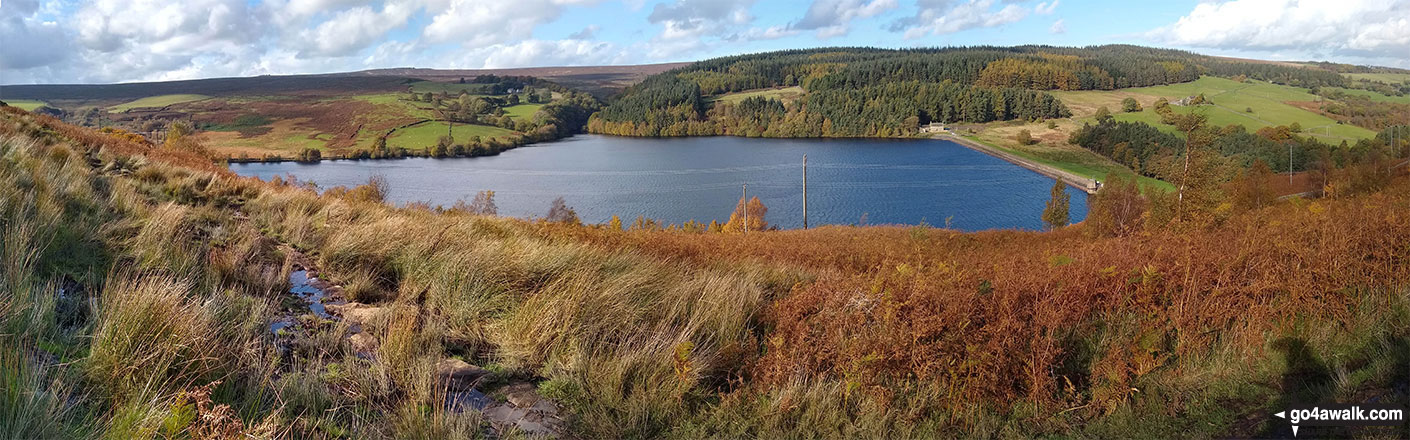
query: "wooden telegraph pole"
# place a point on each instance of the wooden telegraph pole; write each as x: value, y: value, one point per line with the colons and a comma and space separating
x: 744, y: 201
x: 805, y: 191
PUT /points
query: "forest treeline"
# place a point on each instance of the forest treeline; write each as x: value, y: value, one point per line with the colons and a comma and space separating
x: 884, y: 92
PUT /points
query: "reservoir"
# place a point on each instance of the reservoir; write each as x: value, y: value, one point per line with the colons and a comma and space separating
x: 850, y: 181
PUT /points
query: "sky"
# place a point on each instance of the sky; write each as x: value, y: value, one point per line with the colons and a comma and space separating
x: 105, y: 41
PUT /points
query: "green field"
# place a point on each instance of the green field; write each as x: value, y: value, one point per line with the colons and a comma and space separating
x: 522, y: 111
x: 783, y: 94
x: 157, y: 102
x: 1069, y: 158
x: 1382, y: 77
x: 26, y: 104
x: 425, y: 135
x: 1232, y: 99
x: 1373, y: 95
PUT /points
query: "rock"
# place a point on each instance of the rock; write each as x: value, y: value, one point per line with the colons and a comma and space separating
x: 528, y: 421
x: 457, y: 374
x: 521, y: 395
x: 358, y: 313
x: 363, y: 345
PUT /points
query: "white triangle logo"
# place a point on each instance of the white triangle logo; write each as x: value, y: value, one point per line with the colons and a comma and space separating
x: 1282, y: 414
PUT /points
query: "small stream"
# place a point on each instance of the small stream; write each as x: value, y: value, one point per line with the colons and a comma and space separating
x: 310, y: 290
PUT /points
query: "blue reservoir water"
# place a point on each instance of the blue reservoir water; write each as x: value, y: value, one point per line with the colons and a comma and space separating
x: 699, y: 178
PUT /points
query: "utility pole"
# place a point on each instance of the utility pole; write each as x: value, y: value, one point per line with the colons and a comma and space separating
x: 744, y: 201
x: 1290, y: 169
x: 805, y: 191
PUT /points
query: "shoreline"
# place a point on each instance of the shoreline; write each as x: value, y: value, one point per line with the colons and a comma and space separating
x: 1076, y: 181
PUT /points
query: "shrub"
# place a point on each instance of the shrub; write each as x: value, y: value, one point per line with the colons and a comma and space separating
x: 310, y: 155
x: 1130, y: 105
x: 1024, y: 137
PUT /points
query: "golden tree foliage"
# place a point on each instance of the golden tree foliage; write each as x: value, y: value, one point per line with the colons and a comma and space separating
x: 756, y: 221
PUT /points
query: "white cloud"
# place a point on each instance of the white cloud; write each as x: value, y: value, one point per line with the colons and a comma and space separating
x: 768, y: 33
x: 939, y: 17
x: 1346, y: 28
x: 1058, y: 27
x: 684, y: 19
x: 1045, y: 8
x: 352, y: 30
x: 546, y: 53
x: 832, y: 18
x: 480, y: 23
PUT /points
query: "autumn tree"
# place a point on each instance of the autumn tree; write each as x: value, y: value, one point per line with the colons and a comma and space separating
x: 560, y: 212
x: 1055, y: 214
x: 483, y: 204
x: 1116, y: 208
x: 1198, y: 178
x: 177, y: 130
x: 1251, y: 189
x: 756, y: 210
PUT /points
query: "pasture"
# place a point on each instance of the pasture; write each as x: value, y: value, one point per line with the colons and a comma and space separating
x: 1052, y: 149
x: 1382, y: 77
x: 426, y: 134
x: 26, y: 104
x: 158, y: 101
x: 522, y: 111
x: 1373, y: 95
x: 1232, y: 100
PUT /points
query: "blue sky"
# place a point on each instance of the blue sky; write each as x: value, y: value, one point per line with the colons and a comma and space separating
x: 95, y: 41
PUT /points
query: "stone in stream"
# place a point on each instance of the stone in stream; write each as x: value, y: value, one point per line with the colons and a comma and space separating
x: 358, y: 313
x: 526, y: 411
x: 458, y: 375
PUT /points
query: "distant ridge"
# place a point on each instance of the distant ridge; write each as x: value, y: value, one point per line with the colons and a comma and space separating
x: 599, y: 80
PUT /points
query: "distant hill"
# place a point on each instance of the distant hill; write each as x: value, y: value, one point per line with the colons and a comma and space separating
x: 598, y: 80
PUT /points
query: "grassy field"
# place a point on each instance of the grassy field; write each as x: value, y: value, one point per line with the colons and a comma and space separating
x: 522, y: 111
x: 26, y: 104
x: 157, y: 102
x: 785, y: 93
x: 1232, y: 99
x: 1373, y: 95
x: 426, y: 134
x: 1382, y: 77
x: 1053, y: 150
